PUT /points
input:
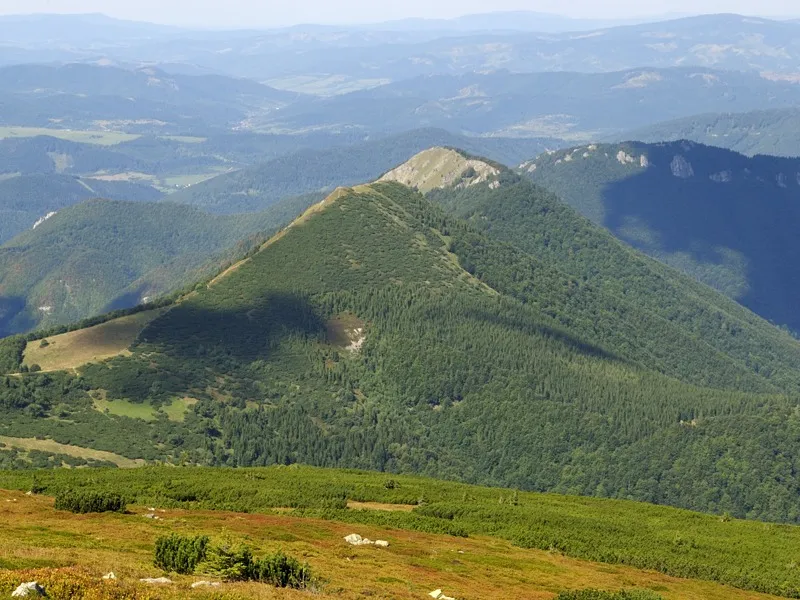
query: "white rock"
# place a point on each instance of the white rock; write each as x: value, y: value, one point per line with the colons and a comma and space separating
x: 199, y: 584
x: 681, y: 167
x: 151, y: 516
x: 354, y: 539
x: 435, y: 594
x: 382, y: 543
x: 156, y: 580
x: 27, y: 590
x: 109, y: 576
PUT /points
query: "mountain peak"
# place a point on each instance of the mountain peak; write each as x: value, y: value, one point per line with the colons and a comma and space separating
x: 441, y: 167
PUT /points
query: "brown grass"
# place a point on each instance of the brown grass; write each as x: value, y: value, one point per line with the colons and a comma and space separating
x: 76, y: 451
x: 34, y: 534
x: 76, y: 348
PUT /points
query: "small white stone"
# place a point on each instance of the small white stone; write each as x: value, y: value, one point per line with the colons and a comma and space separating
x: 199, y: 584
x: 109, y: 576
x: 156, y: 580
x: 382, y: 543
x: 32, y: 588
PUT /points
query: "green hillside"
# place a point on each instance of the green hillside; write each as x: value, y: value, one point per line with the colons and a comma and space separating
x: 721, y: 217
x: 773, y: 132
x: 378, y: 332
x: 102, y: 255
x: 25, y: 199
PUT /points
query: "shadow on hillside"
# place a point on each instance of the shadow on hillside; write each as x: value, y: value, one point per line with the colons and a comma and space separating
x: 243, y: 331
x: 563, y: 337
x: 739, y: 237
x: 12, y: 316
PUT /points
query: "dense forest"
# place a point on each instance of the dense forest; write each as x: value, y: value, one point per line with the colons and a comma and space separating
x: 772, y: 132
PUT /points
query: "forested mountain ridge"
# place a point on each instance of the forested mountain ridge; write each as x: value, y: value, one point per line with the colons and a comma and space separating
x: 103, y: 255
x: 377, y: 331
x: 322, y: 170
x: 25, y: 199
x: 775, y: 132
x: 726, y: 219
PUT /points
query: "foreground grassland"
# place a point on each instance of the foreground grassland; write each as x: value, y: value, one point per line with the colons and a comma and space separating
x: 40, y: 543
x: 524, y: 539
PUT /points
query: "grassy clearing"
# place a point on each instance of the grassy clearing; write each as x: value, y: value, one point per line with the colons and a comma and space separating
x: 327, y: 85
x: 124, y: 408
x: 56, y: 448
x: 175, y: 411
x: 35, y: 535
x: 76, y: 348
x: 101, y: 138
x: 174, y: 183
x: 178, y: 409
x: 184, y: 139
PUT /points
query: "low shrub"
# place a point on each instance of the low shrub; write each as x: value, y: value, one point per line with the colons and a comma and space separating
x: 180, y: 554
x: 90, y: 502
x: 229, y: 560
x: 282, y: 571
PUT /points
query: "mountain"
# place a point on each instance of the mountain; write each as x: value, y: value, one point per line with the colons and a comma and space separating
x: 773, y: 132
x: 508, y: 21
x: 103, y: 255
x: 309, y: 171
x: 566, y: 105
x: 333, y: 59
x: 378, y: 331
x: 25, y: 199
x: 725, y: 41
x: 76, y: 29
x: 83, y: 96
x: 719, y: 216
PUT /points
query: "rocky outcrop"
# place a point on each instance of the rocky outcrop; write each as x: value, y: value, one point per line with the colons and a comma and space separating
x: 681, y: 167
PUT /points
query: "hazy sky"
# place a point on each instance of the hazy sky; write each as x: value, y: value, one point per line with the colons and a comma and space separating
x: 243, y: 13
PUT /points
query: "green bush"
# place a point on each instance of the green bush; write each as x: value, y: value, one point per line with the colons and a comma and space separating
x: 180, y: 554
x: 228, y: 560
x: 604, y: 595
x: 90, y: 502
x: 281, y: 571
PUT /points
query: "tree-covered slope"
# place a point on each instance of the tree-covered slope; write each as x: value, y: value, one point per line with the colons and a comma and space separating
x: 774, y: 132
x: 726, y: 219
x: 24, y: 199
x: 102, y: 255
x: 315, y: 170
x: 376, y: 331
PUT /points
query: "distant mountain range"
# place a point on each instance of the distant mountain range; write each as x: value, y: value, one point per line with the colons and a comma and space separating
x: 326, y: 59
x: 726, y: 219
x: 567, y: 105
x: 775, y: 132
x: 82, y: 96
